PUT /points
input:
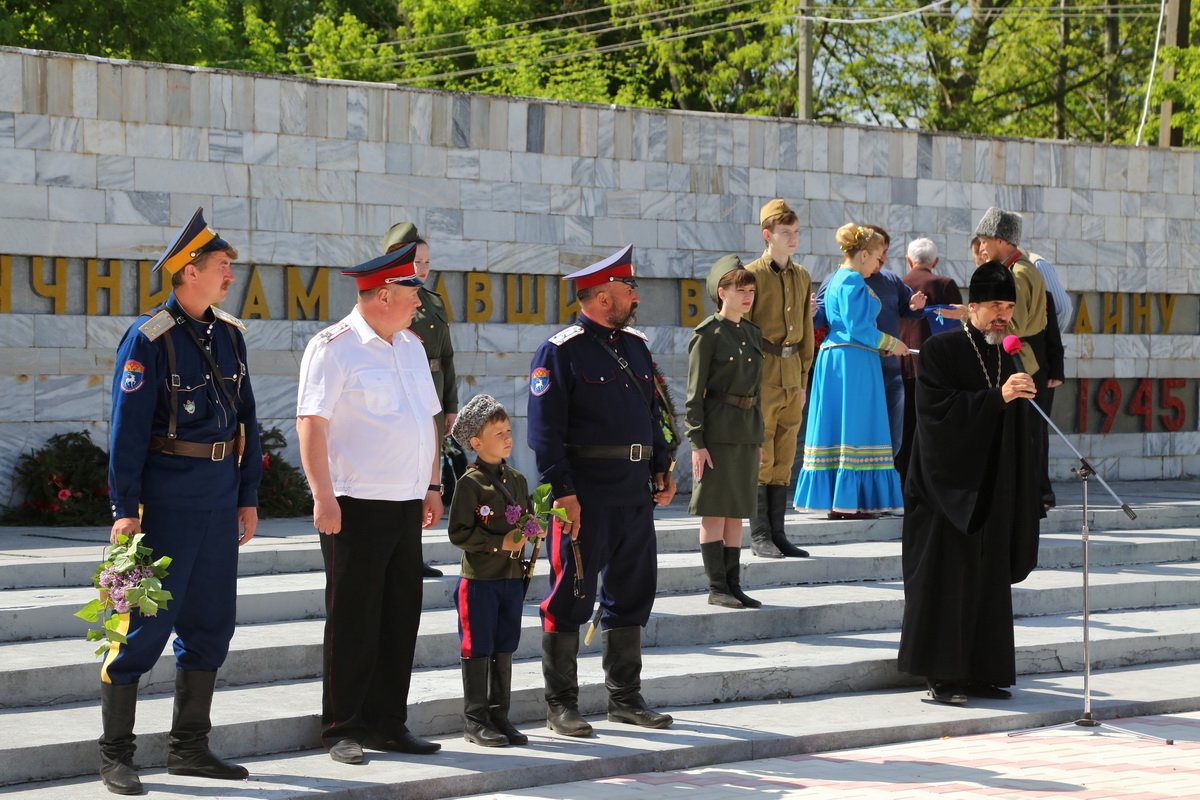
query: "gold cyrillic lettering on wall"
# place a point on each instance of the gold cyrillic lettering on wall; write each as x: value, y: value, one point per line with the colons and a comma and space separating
x: 1166, y: 308
x: 568, y: 306
x: 109, y: 283
x: 479, y: 296
x: 526, y: 296
x: 1114, y: 312
x: 255, y: 305
x: 691, y: 304
x: 439, y: 287
x: 56, y: 289
x: 1139, y: 313
x: 314, y: 301
x: 5, y: 284
x: 1083, y: 318
x: 148, y: 296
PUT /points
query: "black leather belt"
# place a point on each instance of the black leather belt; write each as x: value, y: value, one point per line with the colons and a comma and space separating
x: 736, y: 400
x: 781, y: 351
x: 213, y: 451
x: 627, y: 452
x: 435, y: 365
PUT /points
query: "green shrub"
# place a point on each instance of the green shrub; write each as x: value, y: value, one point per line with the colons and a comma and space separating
x: 63, y: 483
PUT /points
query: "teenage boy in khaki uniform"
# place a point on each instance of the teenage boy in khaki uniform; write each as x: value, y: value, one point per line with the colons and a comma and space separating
x: 782, y: 310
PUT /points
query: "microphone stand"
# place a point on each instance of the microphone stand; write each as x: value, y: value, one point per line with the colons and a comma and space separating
x: 1085, y: 471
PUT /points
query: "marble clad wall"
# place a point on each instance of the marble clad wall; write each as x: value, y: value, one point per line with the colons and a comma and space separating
x: 105, y: 159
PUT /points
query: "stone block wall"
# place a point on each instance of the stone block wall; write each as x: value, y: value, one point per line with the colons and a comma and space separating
x: 105, y: 159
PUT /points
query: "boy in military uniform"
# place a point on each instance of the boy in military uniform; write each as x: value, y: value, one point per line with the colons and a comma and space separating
x: 782, y: 311
x: 431, y: 324
x: 184, y: 467
x: 484, y: 516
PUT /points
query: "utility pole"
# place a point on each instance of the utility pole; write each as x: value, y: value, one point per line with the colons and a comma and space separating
x: 1060, y: 79
x: 804, y: 61
x: 1179, y: 15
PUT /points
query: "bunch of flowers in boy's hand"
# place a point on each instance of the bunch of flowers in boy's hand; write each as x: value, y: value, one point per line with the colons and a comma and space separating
x: 532, y: 526
x: 128, y: 579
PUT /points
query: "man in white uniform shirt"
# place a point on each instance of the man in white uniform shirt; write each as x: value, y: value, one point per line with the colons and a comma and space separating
x: 366, y: 424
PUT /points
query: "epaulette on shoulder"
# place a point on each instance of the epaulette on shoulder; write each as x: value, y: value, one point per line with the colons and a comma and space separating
x: 566, y: 334
x: 708, y: 323
x: 333, y: 331
x: 637, y: 333
x: 229, y: 319
x: 157, y: 325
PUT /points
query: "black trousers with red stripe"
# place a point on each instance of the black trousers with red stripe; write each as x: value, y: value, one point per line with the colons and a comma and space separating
x: 373, y: 612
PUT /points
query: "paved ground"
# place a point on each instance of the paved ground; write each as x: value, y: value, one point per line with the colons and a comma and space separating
x: 1070, y: 763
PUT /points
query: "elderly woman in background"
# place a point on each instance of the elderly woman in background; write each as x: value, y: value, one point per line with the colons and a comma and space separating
x: 725, y: 427
x: 847, y: 469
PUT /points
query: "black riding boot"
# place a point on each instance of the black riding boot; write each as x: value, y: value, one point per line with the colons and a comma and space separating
x: 760, y: 529
x: 623, y: 677
x: 776, y: 507
x: 498, y: 697
x: 733, y: 577
x: 117, y: 706
x: 477, y: 719
x: 719, y: 593
x: 559, y: 654
x: 189, y: 753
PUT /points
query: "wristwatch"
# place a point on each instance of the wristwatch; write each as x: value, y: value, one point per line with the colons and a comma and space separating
x: 436, y: 487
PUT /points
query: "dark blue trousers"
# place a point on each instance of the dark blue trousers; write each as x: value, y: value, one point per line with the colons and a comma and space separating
x: 489, y: 615
x: 617, y: 544
x: 202, y: 580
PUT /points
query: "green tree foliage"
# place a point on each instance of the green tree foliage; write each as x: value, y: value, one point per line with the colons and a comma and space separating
x: 1072, y: 69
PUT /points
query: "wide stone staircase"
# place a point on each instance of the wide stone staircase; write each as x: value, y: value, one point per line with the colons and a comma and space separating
x: 814, y: 669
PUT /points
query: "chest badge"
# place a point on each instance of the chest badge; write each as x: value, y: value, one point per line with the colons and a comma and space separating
x: 190, y: 406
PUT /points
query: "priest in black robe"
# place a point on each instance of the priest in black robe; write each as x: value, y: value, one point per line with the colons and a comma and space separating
x: 972, y: 502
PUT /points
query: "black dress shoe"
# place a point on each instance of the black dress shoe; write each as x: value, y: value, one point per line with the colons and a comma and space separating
x: 430, y: 572
x: 986, y: 691
x: 346, y: 751
x: 948, y: 693
x: 404, y: 742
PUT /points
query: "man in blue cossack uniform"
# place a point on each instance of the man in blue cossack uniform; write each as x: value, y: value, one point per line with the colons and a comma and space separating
x: 184, y: 468
x: 592, y: 407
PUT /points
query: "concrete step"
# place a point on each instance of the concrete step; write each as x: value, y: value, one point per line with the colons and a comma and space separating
x: 701, y: 735
x: 282, y: 716
x: 267, y: 647
x: 65, y: 557
x: 47, y: 612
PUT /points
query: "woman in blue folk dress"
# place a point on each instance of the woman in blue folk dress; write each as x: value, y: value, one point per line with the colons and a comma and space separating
x: 847, y: 469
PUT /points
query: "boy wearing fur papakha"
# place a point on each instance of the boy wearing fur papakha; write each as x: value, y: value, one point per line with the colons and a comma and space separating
x: 489, y: 502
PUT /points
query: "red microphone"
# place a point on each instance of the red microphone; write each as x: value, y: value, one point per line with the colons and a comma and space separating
x: 1012, y: 346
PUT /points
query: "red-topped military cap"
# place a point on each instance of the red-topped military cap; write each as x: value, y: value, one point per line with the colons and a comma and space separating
x: 617, y: 267
x: 193, y: 240
x: 394, y: 267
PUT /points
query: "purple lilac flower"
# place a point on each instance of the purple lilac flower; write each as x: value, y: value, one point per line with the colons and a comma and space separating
x: 107, y: 578
x: 512, y: 514
x: 532, y: 528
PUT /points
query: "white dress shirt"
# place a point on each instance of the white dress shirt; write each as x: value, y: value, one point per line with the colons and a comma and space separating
x: 380, y: 401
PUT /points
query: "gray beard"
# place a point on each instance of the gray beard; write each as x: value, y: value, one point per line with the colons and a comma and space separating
x: 993, y: 338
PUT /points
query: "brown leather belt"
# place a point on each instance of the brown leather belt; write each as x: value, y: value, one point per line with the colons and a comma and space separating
x: 214, y: 451
x: 629, y: 452
x: 777, y: 350
x: 435, y: 365
x: 736, y: 400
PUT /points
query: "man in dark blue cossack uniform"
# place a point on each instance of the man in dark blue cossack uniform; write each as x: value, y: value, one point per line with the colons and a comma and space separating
x: 592, y: 407
x: 184, y: 467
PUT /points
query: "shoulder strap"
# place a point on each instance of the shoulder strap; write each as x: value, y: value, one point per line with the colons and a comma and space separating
x: 624, y: 365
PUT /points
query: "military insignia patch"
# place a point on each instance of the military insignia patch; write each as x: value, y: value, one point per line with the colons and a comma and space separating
x: 190, y: 406
x: 539, y: 381
x: 133, y: 375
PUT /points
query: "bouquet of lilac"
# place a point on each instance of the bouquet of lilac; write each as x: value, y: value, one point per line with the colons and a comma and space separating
x: 128, y: 578
x: 533, y: 526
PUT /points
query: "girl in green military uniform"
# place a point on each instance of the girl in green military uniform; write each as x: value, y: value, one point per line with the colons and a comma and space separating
x: 725, y: 427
